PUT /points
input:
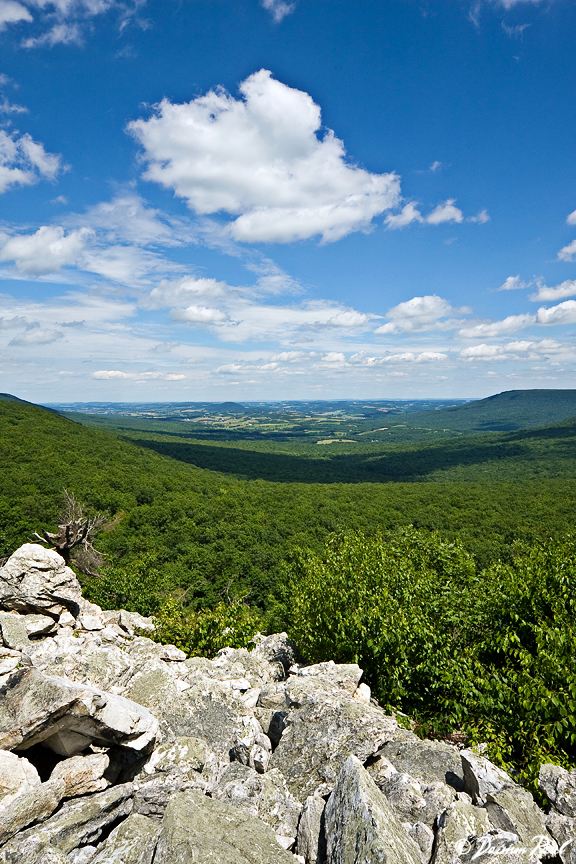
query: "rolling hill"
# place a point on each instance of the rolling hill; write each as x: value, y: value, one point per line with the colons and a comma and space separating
x: 504, y: 412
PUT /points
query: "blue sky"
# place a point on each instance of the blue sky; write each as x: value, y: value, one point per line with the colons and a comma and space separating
x: 256, y: 199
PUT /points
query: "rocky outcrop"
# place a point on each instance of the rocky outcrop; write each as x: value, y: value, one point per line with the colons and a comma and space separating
x: 35, y: 579
x: 117, y: 750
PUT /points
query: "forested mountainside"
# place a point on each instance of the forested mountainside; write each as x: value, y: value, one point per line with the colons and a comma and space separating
x: 217, y: 535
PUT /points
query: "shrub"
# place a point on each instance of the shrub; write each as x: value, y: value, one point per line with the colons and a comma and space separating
x: 489, y: 655
x: 141, y: 590
x: 204, y: 633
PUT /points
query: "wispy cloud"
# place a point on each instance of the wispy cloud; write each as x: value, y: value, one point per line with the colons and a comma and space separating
x: 278, y: 8
x: 513, y: 283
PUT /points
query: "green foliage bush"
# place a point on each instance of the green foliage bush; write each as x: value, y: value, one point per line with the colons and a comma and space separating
x: 204, y: 633
x: 141, y: 590
x: 489, y: 655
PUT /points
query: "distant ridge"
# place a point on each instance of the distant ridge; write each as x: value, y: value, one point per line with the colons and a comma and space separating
x: 7, y: 397
x: 503, y: 412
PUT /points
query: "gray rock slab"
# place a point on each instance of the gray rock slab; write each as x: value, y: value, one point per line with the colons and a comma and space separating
x: 481, y: 776
x: 39, y: 625
x: 151, y: 797
x: 360, y: 825
x: 414, y: 802
x: 499, y: 845
x: 457, y: 824
x: 265, y: 796
x: 37, y: 580
x: 234, y: 664
x: 559, y: 787
x: 426, y: 761
x: 83, y: 659
x: 82, y: 775
x: 423, y: 836
x: 33, y: 806
x: 13, y: 630
x: 275, y: 649
x: 320, y: 737
x: 131, y: 842
x: 66, y: 717
x: 563, y: 830
x: 17, y: 775
x: 199, y: 829
x: 311, y: 839
x: 183, y: 754
x: 78, y: 823
x: 514, y: 810
x: 344, y: 676
x: 45, y: 854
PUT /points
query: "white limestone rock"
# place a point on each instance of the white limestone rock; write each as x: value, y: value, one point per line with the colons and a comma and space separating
x: 360, y: 825
x: 37, y: 580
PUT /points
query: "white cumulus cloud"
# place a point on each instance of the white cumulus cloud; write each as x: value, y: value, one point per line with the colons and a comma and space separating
x: 571, y: 218
x: 511, y: 324
x: 265, y: 159
x: 513, y: 283
x: 110, y: 374
x: 62, y: 21
x: 567, y: 253
x: 421, y: 313
x: 199, y: 315
x: 407, y: 215
x: 24, y: 161
x: 446, y: 212
x: 45, y: 251
x: 565, y: 289
x: 563, y: 313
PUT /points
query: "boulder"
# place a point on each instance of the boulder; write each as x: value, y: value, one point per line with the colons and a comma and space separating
x: 264, y: 796
x: 182, y: 755
x: 461, y: 821
x: 360, y: 825
x: 563, y: 830
x: 423, y: 836
x: 513, y: 810
x: 322, y: 734
x: 32, y: 806
x: 151, y: 797
x: 276, y: 650
x: 311, y: 839
x: 84, y: 659
x: 481, y: 776
x: 343, y: 676
x: 197, y: 829
x: 426, y: 761
x: 13, y: 630
x: 17, y: 775
x: 78, y: 823
x: 82, y: 775
x: 39, y: 625
x: 66, y: 717
x: 131, y: 842
x: 203, y: 710
x: 37, y: 580
x: 414, y: 802
x: 559, y: 787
